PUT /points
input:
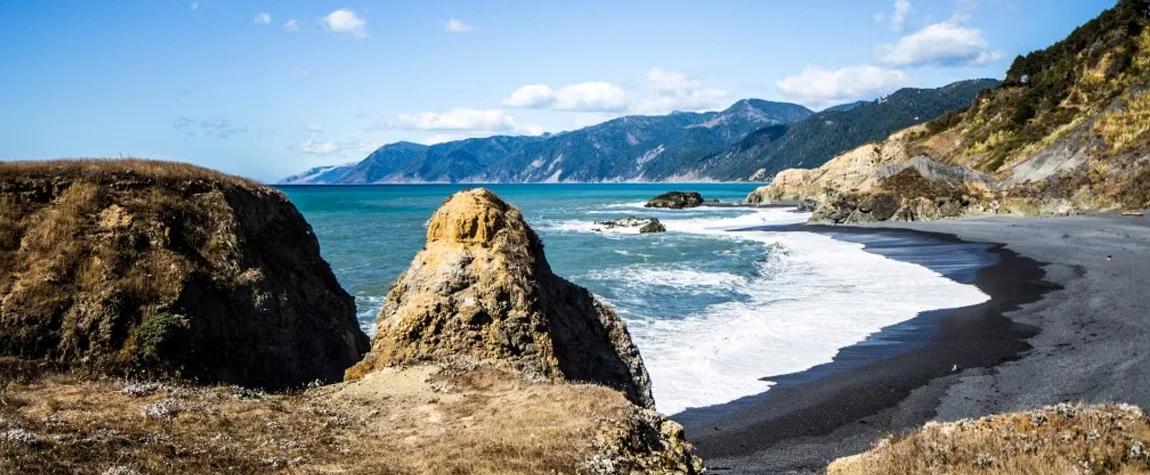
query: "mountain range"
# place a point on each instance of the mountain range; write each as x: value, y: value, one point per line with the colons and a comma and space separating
x: 749, y: 141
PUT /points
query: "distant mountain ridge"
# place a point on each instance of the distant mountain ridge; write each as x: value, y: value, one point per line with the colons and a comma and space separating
x: 812, y: 142
x: 681, y: 146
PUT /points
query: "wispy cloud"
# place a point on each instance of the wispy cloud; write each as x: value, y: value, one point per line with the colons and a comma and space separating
x: 262, y: 18
x: 195, y: 5
x: 901, y: 11
x: 455, y: 26
x: 346, y: 22
x: 213, y: 127
x: 334, y: 147
x: 291, y: 25
x: 462, y: 120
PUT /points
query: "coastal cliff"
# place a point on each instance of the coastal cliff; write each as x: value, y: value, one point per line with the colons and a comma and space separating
x: 167, y: 277
x: 1067, y: 132
x: 132, y: 267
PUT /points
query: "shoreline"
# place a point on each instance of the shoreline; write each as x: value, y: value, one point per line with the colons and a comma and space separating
x: 840, y: 408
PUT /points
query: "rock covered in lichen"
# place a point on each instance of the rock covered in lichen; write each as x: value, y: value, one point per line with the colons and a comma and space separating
x: 481, y: 288
x: 644, y: 443
x: 1063, y: 438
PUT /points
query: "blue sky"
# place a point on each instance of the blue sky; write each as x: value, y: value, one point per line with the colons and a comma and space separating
x: 268, y: 88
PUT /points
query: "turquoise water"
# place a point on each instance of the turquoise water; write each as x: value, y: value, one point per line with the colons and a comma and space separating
x: 714, y: 304
x: 369, y: 234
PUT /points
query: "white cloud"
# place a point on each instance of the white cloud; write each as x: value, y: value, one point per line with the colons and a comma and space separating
x: 662, y: 92
x: 345, y: 21
x: 585, y: 96
x: 331, y: 147
x: 463, y: 120
x: 456, y: 26
x: 667, y: 91
x: 818, y: 87
x: 195, y: 5
x: 291, y: 25
x: 940, y: 44
x: 314, y: 129
x: 263, y: 18
x: 588, y: 96
x: 531, y: 95
x: 314, y: 147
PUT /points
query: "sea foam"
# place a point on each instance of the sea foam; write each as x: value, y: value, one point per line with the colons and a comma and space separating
x: 812, y: 296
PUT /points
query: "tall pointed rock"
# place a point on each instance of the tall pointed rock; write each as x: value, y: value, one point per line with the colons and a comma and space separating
x: 481, y: 288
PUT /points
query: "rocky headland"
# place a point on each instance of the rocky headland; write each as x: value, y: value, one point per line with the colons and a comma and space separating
x: 1065, y: 133
x: 153, y: 313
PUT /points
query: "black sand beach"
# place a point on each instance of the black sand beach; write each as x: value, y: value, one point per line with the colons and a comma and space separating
x: 1036, y: 342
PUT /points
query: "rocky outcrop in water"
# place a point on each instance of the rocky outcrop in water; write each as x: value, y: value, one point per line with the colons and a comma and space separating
x: 676, y: 200
x: 482, y: 289
x: 645, y: 225
x: 152, y: 268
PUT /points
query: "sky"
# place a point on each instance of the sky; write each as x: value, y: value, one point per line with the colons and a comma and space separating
x: 266, y: 89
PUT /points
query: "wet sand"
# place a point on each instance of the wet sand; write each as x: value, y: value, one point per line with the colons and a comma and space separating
x: 1063, y: 323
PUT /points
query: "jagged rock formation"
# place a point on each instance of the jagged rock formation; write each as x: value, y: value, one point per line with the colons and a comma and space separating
x: 676, y: 200
x: 481, y: 288
x: 154, y: 268
x: 1068, y: 131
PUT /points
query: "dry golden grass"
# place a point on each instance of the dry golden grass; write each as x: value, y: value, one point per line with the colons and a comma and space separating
x: 1063, y: 439
x: 99, y: 170
x: 1122, y: 129
x: 420, y: 420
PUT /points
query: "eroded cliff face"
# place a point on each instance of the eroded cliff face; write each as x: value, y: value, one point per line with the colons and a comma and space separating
x: 147, y: 268
x: 481, y: 288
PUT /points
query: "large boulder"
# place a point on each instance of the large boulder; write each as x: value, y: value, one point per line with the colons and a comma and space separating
x: 482, y: 289
x: 676, y: 200
x: 144, y: 268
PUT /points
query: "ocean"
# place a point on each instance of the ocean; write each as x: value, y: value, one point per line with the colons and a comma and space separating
x: 719, y: 303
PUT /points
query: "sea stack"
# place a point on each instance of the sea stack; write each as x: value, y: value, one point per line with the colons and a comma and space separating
x: 482, y: 289
x: 143, y: 268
